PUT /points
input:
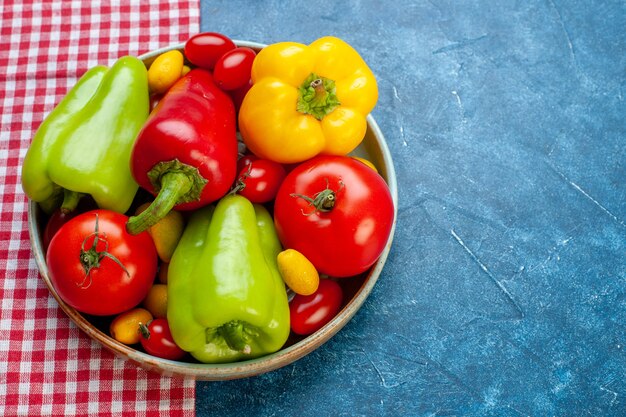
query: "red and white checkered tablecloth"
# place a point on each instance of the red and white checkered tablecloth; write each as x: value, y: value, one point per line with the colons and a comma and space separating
x: 48, y: 367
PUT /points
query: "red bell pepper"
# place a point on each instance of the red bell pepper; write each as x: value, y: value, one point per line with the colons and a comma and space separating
x: 186, y: 153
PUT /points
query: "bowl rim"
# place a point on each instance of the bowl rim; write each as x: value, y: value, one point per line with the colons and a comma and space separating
x: 235, y: 370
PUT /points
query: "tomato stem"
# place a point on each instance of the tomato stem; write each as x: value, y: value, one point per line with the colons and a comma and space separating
x: 91, y: 258
x: 241, y: 181
x: 144, y: 331
x: 323, y: 201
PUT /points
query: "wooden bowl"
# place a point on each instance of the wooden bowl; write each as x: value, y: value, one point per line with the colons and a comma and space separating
x: 356, y: 289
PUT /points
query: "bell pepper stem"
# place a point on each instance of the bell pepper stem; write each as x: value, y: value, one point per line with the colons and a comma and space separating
x: 317, y: 96
x: 70, y: 200
x: 236, y: 334
x: 173, y: 186
x: 53, y: 202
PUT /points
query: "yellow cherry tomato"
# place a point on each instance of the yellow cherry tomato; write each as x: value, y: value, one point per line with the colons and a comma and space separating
x: 298, y: 272
x: 125, y: 327
x: 156, y: 301
x: 366, y: 162
x: 165, y: 70
x: 166, y: 232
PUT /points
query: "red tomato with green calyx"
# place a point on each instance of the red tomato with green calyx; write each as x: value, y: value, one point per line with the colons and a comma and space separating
x: 97, y: 267
x: 337, y: 212
x: 309, y: 313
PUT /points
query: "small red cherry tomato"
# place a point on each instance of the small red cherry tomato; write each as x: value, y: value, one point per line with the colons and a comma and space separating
x: 309, y: 313
x: 156, y: 339
x: 59, y: 217
x: 260, y: 180
x: 245, y: 160
x: 56, y: 220
x: 205, y: 49
x: 233, y: 69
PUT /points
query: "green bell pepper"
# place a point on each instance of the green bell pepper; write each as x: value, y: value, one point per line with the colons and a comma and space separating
x: 226, y: 299
x: 83, y: 146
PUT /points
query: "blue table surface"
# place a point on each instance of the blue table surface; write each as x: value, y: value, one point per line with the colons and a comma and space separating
x: 505, y: 290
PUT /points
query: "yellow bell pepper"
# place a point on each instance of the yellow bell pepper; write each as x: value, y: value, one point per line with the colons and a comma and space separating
x: 307, y: 100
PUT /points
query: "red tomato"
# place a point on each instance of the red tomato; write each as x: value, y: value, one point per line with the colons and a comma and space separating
x: 204, y: 49
x: 337, y: 212
x: 260, y: 180
x: 56, y: 220
x: 245, y: 160
x: 309, y: 313
x: 233, y: 69
x: 103, y: 277
x: 156, y: 339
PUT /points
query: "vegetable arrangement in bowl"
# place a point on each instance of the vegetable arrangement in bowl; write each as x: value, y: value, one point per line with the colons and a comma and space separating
x: 207, y: 206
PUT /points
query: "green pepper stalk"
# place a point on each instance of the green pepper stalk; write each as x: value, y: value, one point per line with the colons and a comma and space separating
x: 83, y: 146
x: 186, y: 153
x: 226, y: 299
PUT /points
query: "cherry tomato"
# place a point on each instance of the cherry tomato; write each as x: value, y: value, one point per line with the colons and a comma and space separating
x: 233, y: 69
x: 56, y: 220
x: 205, y: 49
x: 309, y: 313
x: 156, y: 339
x: 125, y: 327
x: 298, y: 272
x: 245, y: 160
x: 260, y: 180
x: 156, y: 301
x: 337, y: 212
x: 97, y: 267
